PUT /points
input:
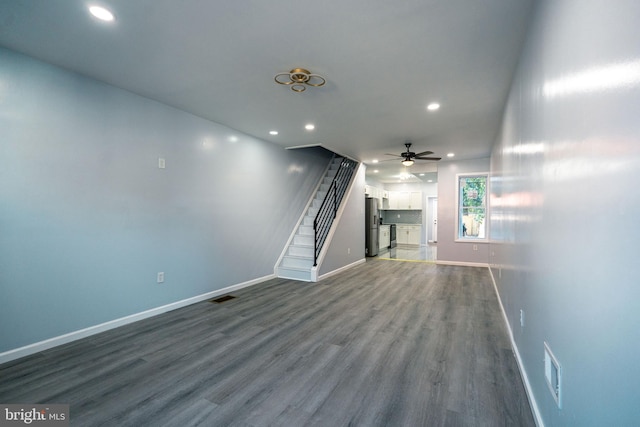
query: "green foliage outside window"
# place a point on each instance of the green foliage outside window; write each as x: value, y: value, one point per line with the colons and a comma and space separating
x: 472, y: 209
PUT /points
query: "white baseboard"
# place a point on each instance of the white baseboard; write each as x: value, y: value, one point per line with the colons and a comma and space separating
x: 341, y: 269
x: 462, y: 263
x: 27, y: 350
x: 523, y: 373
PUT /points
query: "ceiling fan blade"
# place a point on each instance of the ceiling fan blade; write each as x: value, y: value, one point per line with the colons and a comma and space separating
x: 394, y: 155
x: 424, y: 153
x: 427, y: 158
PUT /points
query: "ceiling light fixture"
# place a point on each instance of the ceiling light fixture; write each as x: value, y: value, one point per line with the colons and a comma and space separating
x: 433, y: 106
x: 273, y: 132
x: 407, y: 161
x: 309, y: 126
x: 450, y: 155
x: 299, y: 79
x: 101, y: 13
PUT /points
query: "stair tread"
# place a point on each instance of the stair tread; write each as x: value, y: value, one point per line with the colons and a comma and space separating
x: 300, y: 269
x: 304, y: 257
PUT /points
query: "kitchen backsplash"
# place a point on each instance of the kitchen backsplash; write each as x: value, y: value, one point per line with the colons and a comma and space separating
x: 401, y: 216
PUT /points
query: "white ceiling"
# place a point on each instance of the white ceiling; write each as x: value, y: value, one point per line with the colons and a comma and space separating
x: 384, y: 61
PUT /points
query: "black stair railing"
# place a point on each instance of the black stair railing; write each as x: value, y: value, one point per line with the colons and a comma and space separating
x: 329, y: 207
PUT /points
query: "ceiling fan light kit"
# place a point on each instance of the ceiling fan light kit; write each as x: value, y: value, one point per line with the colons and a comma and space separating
x: 299, y: 79
x: 409, y: 156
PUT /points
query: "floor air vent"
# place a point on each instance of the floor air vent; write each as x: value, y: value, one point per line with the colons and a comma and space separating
x: 222, y: 299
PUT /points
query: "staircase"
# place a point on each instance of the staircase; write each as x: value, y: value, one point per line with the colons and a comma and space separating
x: 304, y: 247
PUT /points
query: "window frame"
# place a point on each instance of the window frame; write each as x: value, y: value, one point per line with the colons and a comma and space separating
x: 459, y: 209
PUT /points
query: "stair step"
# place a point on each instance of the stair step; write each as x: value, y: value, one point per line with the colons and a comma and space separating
x: 302, y: 240
x: 294, y: 274
x: 305, y: 230
x: 301, y: 250
x: 297, y: 262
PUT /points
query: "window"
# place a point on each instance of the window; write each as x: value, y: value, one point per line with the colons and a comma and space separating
x: 472, y: 207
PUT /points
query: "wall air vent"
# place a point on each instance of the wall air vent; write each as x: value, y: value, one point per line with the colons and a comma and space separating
x: 553, y: 375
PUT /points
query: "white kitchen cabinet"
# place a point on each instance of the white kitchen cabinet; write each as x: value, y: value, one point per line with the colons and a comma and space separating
x: 376, y: 193
x: 385, y: 236
x: 408, y: 234
x: 414, y: 235
x: 415, y: 200
x: 405, y: 200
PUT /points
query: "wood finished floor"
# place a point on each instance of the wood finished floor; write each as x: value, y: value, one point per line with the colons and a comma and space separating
x: 383, y: 344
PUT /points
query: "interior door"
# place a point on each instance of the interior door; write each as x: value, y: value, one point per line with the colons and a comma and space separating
x: 432, y: 218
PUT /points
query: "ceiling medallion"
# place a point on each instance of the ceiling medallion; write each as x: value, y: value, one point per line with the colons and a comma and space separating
x: 299, y: 79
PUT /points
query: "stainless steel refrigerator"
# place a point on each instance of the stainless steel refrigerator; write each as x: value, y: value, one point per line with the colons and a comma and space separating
x: 372, y: 228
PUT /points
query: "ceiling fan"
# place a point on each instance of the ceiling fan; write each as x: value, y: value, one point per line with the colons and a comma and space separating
x: 409, y: 156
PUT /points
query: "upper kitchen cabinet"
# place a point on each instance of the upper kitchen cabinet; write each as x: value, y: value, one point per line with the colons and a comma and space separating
x: 405, y: 200
x: 376, y: 193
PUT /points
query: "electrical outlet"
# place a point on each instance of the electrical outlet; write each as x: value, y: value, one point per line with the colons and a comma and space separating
x: 348, y: 250
x: 522, y: 318
x: 161, y: 163
x: 475, y: 247
x: 160, y: 277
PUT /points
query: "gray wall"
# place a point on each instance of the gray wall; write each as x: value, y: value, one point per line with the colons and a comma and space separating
x: 448, y: 249
x: 565, y: 209
x: 87, y: 219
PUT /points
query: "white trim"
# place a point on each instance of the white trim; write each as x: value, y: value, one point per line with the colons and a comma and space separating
x: 341, y: 269
x: 537, y: 416
x: 463, y: 263
x: 37, y: 347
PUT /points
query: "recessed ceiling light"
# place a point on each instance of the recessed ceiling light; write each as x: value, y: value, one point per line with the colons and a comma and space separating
x: 101, y: 13
x: 433, y: 106
x: 309, y: 126
x: 273, y: 132
x: 376, y: 171
x: 374, y: 161
x: 450, y: 155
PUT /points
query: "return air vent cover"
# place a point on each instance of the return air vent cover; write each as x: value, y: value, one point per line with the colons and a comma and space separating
x: 553, y: 375
x: 222, y: 299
